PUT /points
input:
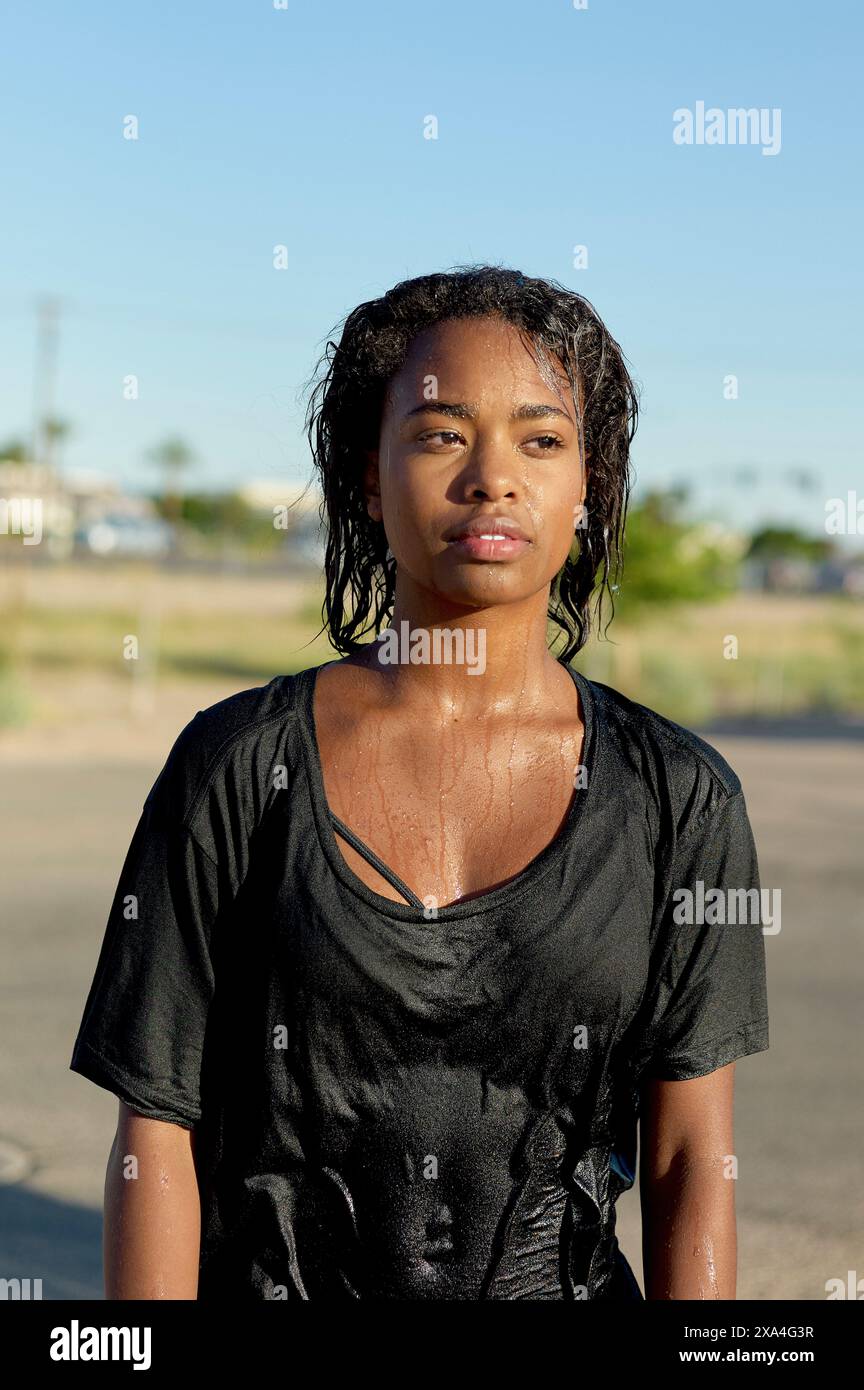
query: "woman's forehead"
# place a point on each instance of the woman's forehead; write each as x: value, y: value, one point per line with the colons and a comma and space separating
x: 468, y: 360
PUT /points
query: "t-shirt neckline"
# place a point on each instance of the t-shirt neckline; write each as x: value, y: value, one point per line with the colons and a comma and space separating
x: 485, y: 903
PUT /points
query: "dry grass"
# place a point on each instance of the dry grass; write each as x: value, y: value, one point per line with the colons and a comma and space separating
x: 66, y: 684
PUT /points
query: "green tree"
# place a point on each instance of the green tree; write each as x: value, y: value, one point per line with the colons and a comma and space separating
x: 785, y: 542
x: 669, y: 559
x: 173, y: 456
x: 15, y: 450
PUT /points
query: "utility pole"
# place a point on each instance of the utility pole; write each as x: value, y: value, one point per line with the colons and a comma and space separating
x: 44, y: 385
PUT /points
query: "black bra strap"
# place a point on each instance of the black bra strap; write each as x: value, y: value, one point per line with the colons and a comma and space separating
x: 373, y: 859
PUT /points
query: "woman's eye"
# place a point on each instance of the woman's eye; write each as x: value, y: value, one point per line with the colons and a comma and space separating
x: 438, y: 434
x: 548, y: 441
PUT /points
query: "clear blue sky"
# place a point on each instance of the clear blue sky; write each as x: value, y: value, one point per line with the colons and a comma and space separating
x: 304, y: 126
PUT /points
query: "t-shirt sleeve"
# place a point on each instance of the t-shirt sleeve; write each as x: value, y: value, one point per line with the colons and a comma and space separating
x: 142, y: 1032
x: 708, y: 999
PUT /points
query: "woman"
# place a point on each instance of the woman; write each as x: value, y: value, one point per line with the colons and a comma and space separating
x: 405, y: 945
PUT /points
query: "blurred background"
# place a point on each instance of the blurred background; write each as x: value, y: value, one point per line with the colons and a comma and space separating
x: 195, y: 198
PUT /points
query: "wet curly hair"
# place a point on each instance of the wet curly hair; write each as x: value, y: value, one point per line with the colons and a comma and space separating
x: 343, y: 419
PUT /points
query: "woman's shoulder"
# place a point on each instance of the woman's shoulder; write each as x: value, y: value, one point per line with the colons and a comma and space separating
x: 231, y: 751
x: 679, y: 770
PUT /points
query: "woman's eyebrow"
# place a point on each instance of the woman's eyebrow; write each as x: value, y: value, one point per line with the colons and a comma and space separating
x: 461, y: 410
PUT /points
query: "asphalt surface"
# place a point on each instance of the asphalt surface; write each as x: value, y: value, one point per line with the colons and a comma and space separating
x: 66, y: 824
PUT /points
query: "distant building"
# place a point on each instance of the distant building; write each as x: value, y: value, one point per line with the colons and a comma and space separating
x: 264, y: 494
x: 795, y: 574
x: 82, y: 508
x: 295, y: 508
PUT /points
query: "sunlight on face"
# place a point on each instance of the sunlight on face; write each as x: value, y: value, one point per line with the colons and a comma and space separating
x: 472, y: 427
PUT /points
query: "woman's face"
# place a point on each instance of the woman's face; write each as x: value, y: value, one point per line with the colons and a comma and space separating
x: 470, y: 429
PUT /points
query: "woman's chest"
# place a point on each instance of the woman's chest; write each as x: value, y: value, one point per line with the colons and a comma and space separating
x: 451, y: 819
x: 558, y: 960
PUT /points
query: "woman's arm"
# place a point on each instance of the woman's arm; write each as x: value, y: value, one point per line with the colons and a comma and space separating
x: 152, y: 1214
x: 687, y: 1192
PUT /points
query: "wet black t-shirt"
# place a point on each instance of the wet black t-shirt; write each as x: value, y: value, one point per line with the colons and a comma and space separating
x: 395, y: 1102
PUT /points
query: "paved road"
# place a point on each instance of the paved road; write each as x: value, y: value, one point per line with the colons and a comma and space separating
x: 65, y: 828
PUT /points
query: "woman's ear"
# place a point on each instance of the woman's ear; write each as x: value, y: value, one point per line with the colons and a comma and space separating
x: 371, y: 485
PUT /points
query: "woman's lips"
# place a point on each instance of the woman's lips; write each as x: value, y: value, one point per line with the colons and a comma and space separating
x: 488, y: 548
